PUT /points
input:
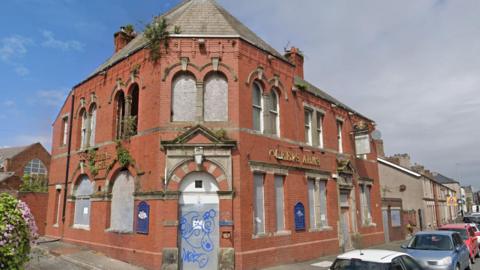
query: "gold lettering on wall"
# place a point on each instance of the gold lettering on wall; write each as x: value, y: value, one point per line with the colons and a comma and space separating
x: 294, y: 157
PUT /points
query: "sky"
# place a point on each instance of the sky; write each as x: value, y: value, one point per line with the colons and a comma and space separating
x: 412, y: 66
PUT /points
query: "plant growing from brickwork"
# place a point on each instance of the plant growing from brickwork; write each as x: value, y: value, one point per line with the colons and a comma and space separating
x: 302, y: 86
x: 156, y: 33
x: 123, y: 155
x: 221, y: 134
x: 135, y: 70
x: 92, y: 164
x: 36, y: 183
x: 129, y: 29
x: 17, y: 231
x: 130, y: 125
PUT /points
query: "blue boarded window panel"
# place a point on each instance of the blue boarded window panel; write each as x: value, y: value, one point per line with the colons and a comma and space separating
x: 143, y: 217
x: 299, y: 214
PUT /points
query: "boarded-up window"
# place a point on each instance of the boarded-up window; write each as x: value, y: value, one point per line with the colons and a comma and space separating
x: 121, y: 219
x: 84, y: 130
x: 280, y: 202
x: 93, y: 125
x: 317, y: 196
x: 259, y: 214
x: 184, y: 96
x: 82, y: 202
x: 257, y: 104
x: 216, y: 98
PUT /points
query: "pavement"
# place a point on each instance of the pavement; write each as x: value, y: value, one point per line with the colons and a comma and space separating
x: 50, y: 254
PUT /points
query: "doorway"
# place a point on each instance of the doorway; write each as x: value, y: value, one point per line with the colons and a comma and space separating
x: 198, y: 223
x: 345, y: 220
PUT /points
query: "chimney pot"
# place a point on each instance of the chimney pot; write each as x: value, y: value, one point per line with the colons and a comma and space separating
x: 295, y: 56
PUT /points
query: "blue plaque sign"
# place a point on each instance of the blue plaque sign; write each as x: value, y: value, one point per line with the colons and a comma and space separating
x: 143, y: 216
x: 299, y: 217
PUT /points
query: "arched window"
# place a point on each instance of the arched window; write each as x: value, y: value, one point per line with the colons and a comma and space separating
x: 184, y: 96
x: 120, y: 114
x: 35, y: 168
x: 273, y: 110
x: 216, y: 98
x: 121, y: 219
x: 84, y: 129
x: 93, y: 124
x: 83, y: 191
x: 257, y: 104
x: 134, y: 110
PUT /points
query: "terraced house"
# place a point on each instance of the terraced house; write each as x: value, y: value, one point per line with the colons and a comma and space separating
x: 207, y: 149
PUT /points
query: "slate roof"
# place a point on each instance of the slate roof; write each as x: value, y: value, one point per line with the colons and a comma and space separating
x: 196, y: 18
x: 442, y: 179
x: 312, y: 89
x: 8, y: 153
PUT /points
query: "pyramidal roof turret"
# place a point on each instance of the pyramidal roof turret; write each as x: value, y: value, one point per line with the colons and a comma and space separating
x: 202, y: 18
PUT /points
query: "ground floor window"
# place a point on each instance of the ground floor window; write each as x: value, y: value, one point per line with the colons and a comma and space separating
x: 259, y: 213
x: 317, y: 197
x: 280, y: 202
x: 366, y: 204
x: 121, y: 219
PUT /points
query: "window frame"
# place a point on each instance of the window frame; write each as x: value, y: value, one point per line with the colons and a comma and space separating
x: 280, y: 203
x: 257, y: 230
x: 275, y: 114
x: 319, y: 128
x: 308, y: 125
x: 257, y: 86
x: 318, y: 203
x: 340, y: 136
x: 65, y: 131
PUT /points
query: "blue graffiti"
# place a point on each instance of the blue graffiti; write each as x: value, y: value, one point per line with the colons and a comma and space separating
x: 196, y: 230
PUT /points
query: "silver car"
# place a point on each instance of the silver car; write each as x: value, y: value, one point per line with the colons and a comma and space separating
x: 439, y: 250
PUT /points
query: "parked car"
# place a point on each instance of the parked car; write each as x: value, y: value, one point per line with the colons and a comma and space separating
x: 375, y: 259
x: 439, y: 250
x: 472, y: 218
x: 468, y: 235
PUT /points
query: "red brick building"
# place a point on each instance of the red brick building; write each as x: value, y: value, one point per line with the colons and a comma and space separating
x: 16, y: 163
x: 212, y: 152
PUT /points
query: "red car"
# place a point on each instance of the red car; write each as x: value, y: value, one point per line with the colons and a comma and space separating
x: 468, y: 235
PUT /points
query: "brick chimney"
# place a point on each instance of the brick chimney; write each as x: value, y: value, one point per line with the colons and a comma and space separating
x: 122, y: 38
x: 295, y: 56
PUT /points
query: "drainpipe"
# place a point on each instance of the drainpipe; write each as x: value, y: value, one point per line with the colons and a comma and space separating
x: 67, y: 169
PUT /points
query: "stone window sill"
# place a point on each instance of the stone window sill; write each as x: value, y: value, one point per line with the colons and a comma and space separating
x: 81, y: 227
x: 321, y: 229
x: 260, y: 235
x: 282, y: 233
x: 369, y: 225
x: 118, y: 231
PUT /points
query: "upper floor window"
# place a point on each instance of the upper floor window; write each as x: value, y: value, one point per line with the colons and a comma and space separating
x: 320, y: 129
x: 120, y: 114
x: 84, y: 129
x: 308, y: 126
x: 215, y: 105
x: 257, y: 106
x: 35, y: 168
x: 340, y: 136
x: 184, y: 96
x: 64, y: 139
x: 366, y: 204
x: 93, y: 124
x: 126, y: 112
x: 273, y: 110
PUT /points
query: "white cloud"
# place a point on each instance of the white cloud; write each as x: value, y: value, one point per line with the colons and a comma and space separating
x: 51, y: 97
x: 14, y: 46
x: 9, y: 103
x: 69, y: 45
x: 21, y: 70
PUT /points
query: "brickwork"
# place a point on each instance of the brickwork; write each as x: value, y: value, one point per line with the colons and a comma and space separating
x: 242, y: 64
